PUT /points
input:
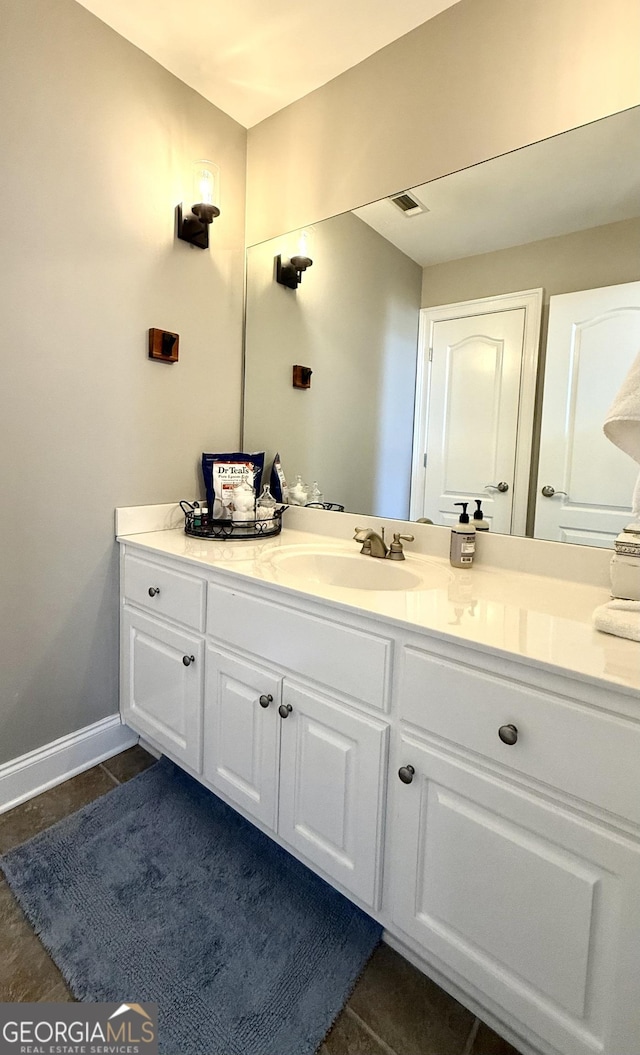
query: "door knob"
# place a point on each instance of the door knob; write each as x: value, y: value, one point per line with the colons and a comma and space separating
x: 154, y: 591
x: 265, y: 700
x: 548, y: 491
x: 406, y: 774
x: 502, y: 486
x: 188, y: 660
x: 508, y: 734
x: 284, y: 710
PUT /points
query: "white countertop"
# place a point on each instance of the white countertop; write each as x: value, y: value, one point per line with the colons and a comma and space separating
x: 536, y: 619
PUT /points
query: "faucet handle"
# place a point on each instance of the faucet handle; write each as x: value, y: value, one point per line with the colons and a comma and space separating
x: 395, y: 550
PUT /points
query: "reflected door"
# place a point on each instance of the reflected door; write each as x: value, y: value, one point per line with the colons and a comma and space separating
x: 594, y: 336
x: 470, y: 413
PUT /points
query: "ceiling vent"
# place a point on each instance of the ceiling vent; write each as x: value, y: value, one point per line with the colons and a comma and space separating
x: 408, y: 204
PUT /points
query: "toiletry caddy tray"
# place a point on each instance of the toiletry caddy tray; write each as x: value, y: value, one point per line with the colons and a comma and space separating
x: 204, y: 526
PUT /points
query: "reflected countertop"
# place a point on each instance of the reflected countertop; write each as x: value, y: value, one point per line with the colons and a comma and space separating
x: 536, y: 619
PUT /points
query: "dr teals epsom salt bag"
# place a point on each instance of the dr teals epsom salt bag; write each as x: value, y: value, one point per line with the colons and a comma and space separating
x: 222, y: 472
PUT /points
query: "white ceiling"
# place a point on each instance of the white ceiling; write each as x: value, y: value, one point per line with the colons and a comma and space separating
x: 581, y: 179
x: 252, y: 57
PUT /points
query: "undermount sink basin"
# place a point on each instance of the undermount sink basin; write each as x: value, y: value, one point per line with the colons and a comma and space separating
x: 353, y: 571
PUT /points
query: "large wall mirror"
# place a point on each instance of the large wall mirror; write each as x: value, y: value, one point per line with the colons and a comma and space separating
x: 465, y: 339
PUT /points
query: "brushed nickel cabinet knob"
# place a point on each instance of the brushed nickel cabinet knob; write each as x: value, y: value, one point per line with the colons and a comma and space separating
x: 508, y: 734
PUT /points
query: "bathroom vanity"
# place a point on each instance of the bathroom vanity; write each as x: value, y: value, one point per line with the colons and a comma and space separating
x: 460, y: 756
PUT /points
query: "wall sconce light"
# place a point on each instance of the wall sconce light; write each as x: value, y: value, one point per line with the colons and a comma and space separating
x: 194, y: 227
x: 289, y: 272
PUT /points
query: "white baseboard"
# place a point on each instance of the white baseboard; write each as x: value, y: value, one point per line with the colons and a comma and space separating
x: 35, y: 772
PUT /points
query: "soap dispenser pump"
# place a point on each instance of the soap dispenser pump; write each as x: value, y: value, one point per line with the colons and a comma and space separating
x: 479, y: 523
x: 463, y: 540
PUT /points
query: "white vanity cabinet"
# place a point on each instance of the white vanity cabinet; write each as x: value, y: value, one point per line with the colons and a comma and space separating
x: 483, y: 807
x: 300, y: 762
x: 512, y: 884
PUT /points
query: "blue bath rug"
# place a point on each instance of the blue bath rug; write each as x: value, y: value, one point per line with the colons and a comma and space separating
x: 160, y: 892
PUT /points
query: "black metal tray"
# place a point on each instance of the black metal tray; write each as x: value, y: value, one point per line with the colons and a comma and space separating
x: 200, y: 526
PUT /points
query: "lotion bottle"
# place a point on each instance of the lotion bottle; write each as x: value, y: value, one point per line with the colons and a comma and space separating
x: 463, y: 540
x: 479, y: 523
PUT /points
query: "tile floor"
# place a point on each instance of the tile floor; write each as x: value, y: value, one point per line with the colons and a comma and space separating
x: 393, y: 1010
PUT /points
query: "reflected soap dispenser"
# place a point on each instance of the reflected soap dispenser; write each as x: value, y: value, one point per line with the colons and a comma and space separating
x: 479, y: 523
x: 463, y: 540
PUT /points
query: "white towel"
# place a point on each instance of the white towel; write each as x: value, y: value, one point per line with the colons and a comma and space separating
x: 622, y: 424
x: 621, y: 618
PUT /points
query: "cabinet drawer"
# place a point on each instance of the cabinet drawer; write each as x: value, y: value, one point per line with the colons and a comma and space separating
x: 589, y: 754
x: 338, y: 657
x: 164, y: 591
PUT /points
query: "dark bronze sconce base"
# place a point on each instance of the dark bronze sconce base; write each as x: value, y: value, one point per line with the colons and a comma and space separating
x: 289, y: 272
x: 194, y: 228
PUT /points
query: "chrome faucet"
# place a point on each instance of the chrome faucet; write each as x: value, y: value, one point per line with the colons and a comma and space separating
x: 373, y: 544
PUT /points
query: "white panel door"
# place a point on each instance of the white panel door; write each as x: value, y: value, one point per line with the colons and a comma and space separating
x: 534, y: 906
x: 241, y: 733
x: 331, y: 788
x: 473, y: 416
x: 594, y: 336
x: 162, y: 686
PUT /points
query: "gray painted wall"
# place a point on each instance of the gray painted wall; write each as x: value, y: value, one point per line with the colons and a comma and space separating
x: 599, y: 256
x: 97, y: 146
x: 354, y: 321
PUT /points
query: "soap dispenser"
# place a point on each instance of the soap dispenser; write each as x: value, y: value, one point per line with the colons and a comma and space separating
x: 463, y: 540
x: 479, y: 523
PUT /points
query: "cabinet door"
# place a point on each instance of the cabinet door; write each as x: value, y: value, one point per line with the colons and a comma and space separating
x: 331, y: 787
x: 241, y: 735
x: 534, y: 906
x: 162, y: 684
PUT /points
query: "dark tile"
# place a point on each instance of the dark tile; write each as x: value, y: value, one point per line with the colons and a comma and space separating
x: 406, y: 1010
x: 348, y: 1037
x: 39, y: 813
x: 129, y: 763
x: 60, y: 994
x: 489, y: 1043
x: 27, y: 972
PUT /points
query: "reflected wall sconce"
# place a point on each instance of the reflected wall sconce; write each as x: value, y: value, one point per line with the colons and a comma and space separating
x: 194, y: 227
x: 289, y: 272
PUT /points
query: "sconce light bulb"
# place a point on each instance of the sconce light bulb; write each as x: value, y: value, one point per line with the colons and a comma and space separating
x: 206, y: 183
x: 301, y: 261
x: 206, y: 188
